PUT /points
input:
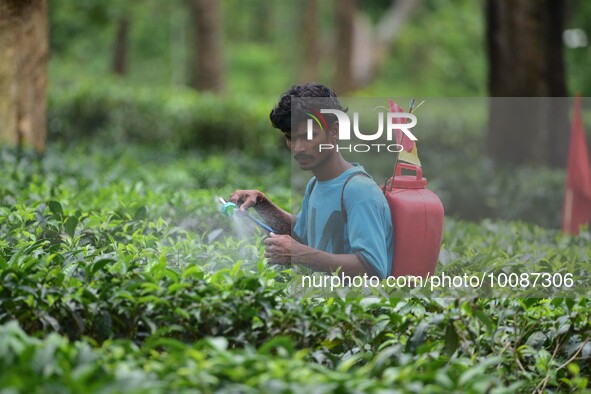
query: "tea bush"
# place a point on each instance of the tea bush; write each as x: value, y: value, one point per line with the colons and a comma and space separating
x: 114, y: 110
x: 473, y: 188
x: 117, y: 274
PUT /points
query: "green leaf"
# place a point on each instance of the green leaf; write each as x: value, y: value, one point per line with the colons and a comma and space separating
x: 182, y: 313
x: 100, y: 264
x: 451, y: 339
x: 217, y: 343
x: 574, y: 369
x: 193, y: 271
x: 141, y: 213
x: 478, y: 371
x: 176, y: 287
x: 418, y: 337
x: 276, y: 344
x: 70, y: 225
x: 490, y: 325
x: 55, y: 208
x: 104, y: 324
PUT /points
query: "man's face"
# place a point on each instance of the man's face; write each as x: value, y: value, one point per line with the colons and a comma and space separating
x: 306, y: 152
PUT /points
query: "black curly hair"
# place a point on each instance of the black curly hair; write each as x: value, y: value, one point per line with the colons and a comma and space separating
x: 301, y: 99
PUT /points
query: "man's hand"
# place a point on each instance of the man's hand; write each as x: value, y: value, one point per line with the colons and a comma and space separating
x: 280, y: 249
x: 246, y: 198
x: 278, y: 219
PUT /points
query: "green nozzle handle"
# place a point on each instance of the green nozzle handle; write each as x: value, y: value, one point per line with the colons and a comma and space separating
x: 227, y: 208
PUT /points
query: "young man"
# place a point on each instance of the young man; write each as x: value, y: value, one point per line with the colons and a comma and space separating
x: 356, y: 240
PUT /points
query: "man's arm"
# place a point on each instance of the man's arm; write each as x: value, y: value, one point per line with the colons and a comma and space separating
x: 283, y: 249
x: 278, y: 219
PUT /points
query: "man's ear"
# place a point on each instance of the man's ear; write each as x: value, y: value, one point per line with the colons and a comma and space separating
x: 333, y: 132
x: 287, y: 138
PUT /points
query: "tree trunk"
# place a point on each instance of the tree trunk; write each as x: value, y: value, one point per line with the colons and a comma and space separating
x: 388, y: 30
x: 264, y: 29
x: 364, y: 49
x: 525, y: 55
x: 311, y: 48
x: 207, y: 69
x: 345, y: 16
x: 120, y: 53
x: 23, y: 72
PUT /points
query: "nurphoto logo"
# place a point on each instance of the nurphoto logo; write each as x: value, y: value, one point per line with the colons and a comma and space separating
x: 394, y: 121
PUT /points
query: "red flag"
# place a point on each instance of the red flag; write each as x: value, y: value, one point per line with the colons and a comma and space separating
x: 577, y: 193
x: 410, y: 153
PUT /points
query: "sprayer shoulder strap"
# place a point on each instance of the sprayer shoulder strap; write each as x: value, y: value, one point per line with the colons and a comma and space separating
x: 343, y: 208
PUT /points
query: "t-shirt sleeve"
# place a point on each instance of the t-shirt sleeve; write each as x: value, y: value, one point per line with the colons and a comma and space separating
x: 370, y: 233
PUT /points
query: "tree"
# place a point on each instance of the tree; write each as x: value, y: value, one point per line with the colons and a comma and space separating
x: 345, y: 15
x: 525, y: 56
x: 207, y: 72
x: 310, y: 41
x: 121, y: 47
x: 23, y: 72
x: 373, y: 46
x: 369, y: 46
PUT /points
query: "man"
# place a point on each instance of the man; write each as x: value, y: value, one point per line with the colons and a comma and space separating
x: 356, y: 240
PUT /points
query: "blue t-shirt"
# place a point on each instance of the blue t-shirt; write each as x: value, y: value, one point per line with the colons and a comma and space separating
x: 368, y: 232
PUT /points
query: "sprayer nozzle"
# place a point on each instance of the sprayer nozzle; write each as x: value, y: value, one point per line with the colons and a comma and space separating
x: 227, y: 207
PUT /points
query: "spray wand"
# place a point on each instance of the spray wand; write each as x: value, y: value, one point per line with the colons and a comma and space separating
x: 228, y: 208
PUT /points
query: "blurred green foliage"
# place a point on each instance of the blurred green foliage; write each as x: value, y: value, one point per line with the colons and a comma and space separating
x: 115, y: 112
x: 440, y: 50
x: 579, y: 59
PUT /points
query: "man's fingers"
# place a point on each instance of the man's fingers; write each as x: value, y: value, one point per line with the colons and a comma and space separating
x: 272, y: 248
x: 248, y: 202
x: 274, y: 238
x: 235, y: 197
x: 245, y: 198
x: 274, y: 259
x: 275, y: 247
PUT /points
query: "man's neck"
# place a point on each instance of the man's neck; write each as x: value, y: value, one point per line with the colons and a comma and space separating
x: 334, y: 167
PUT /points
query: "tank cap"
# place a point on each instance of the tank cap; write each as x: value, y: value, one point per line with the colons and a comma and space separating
x: 409, y: 181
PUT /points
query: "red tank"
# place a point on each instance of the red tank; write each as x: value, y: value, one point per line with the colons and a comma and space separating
x: 417, y: 220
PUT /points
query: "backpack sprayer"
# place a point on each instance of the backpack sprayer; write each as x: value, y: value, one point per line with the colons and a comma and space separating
x: 417, y: 218
x: 228, y: 208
